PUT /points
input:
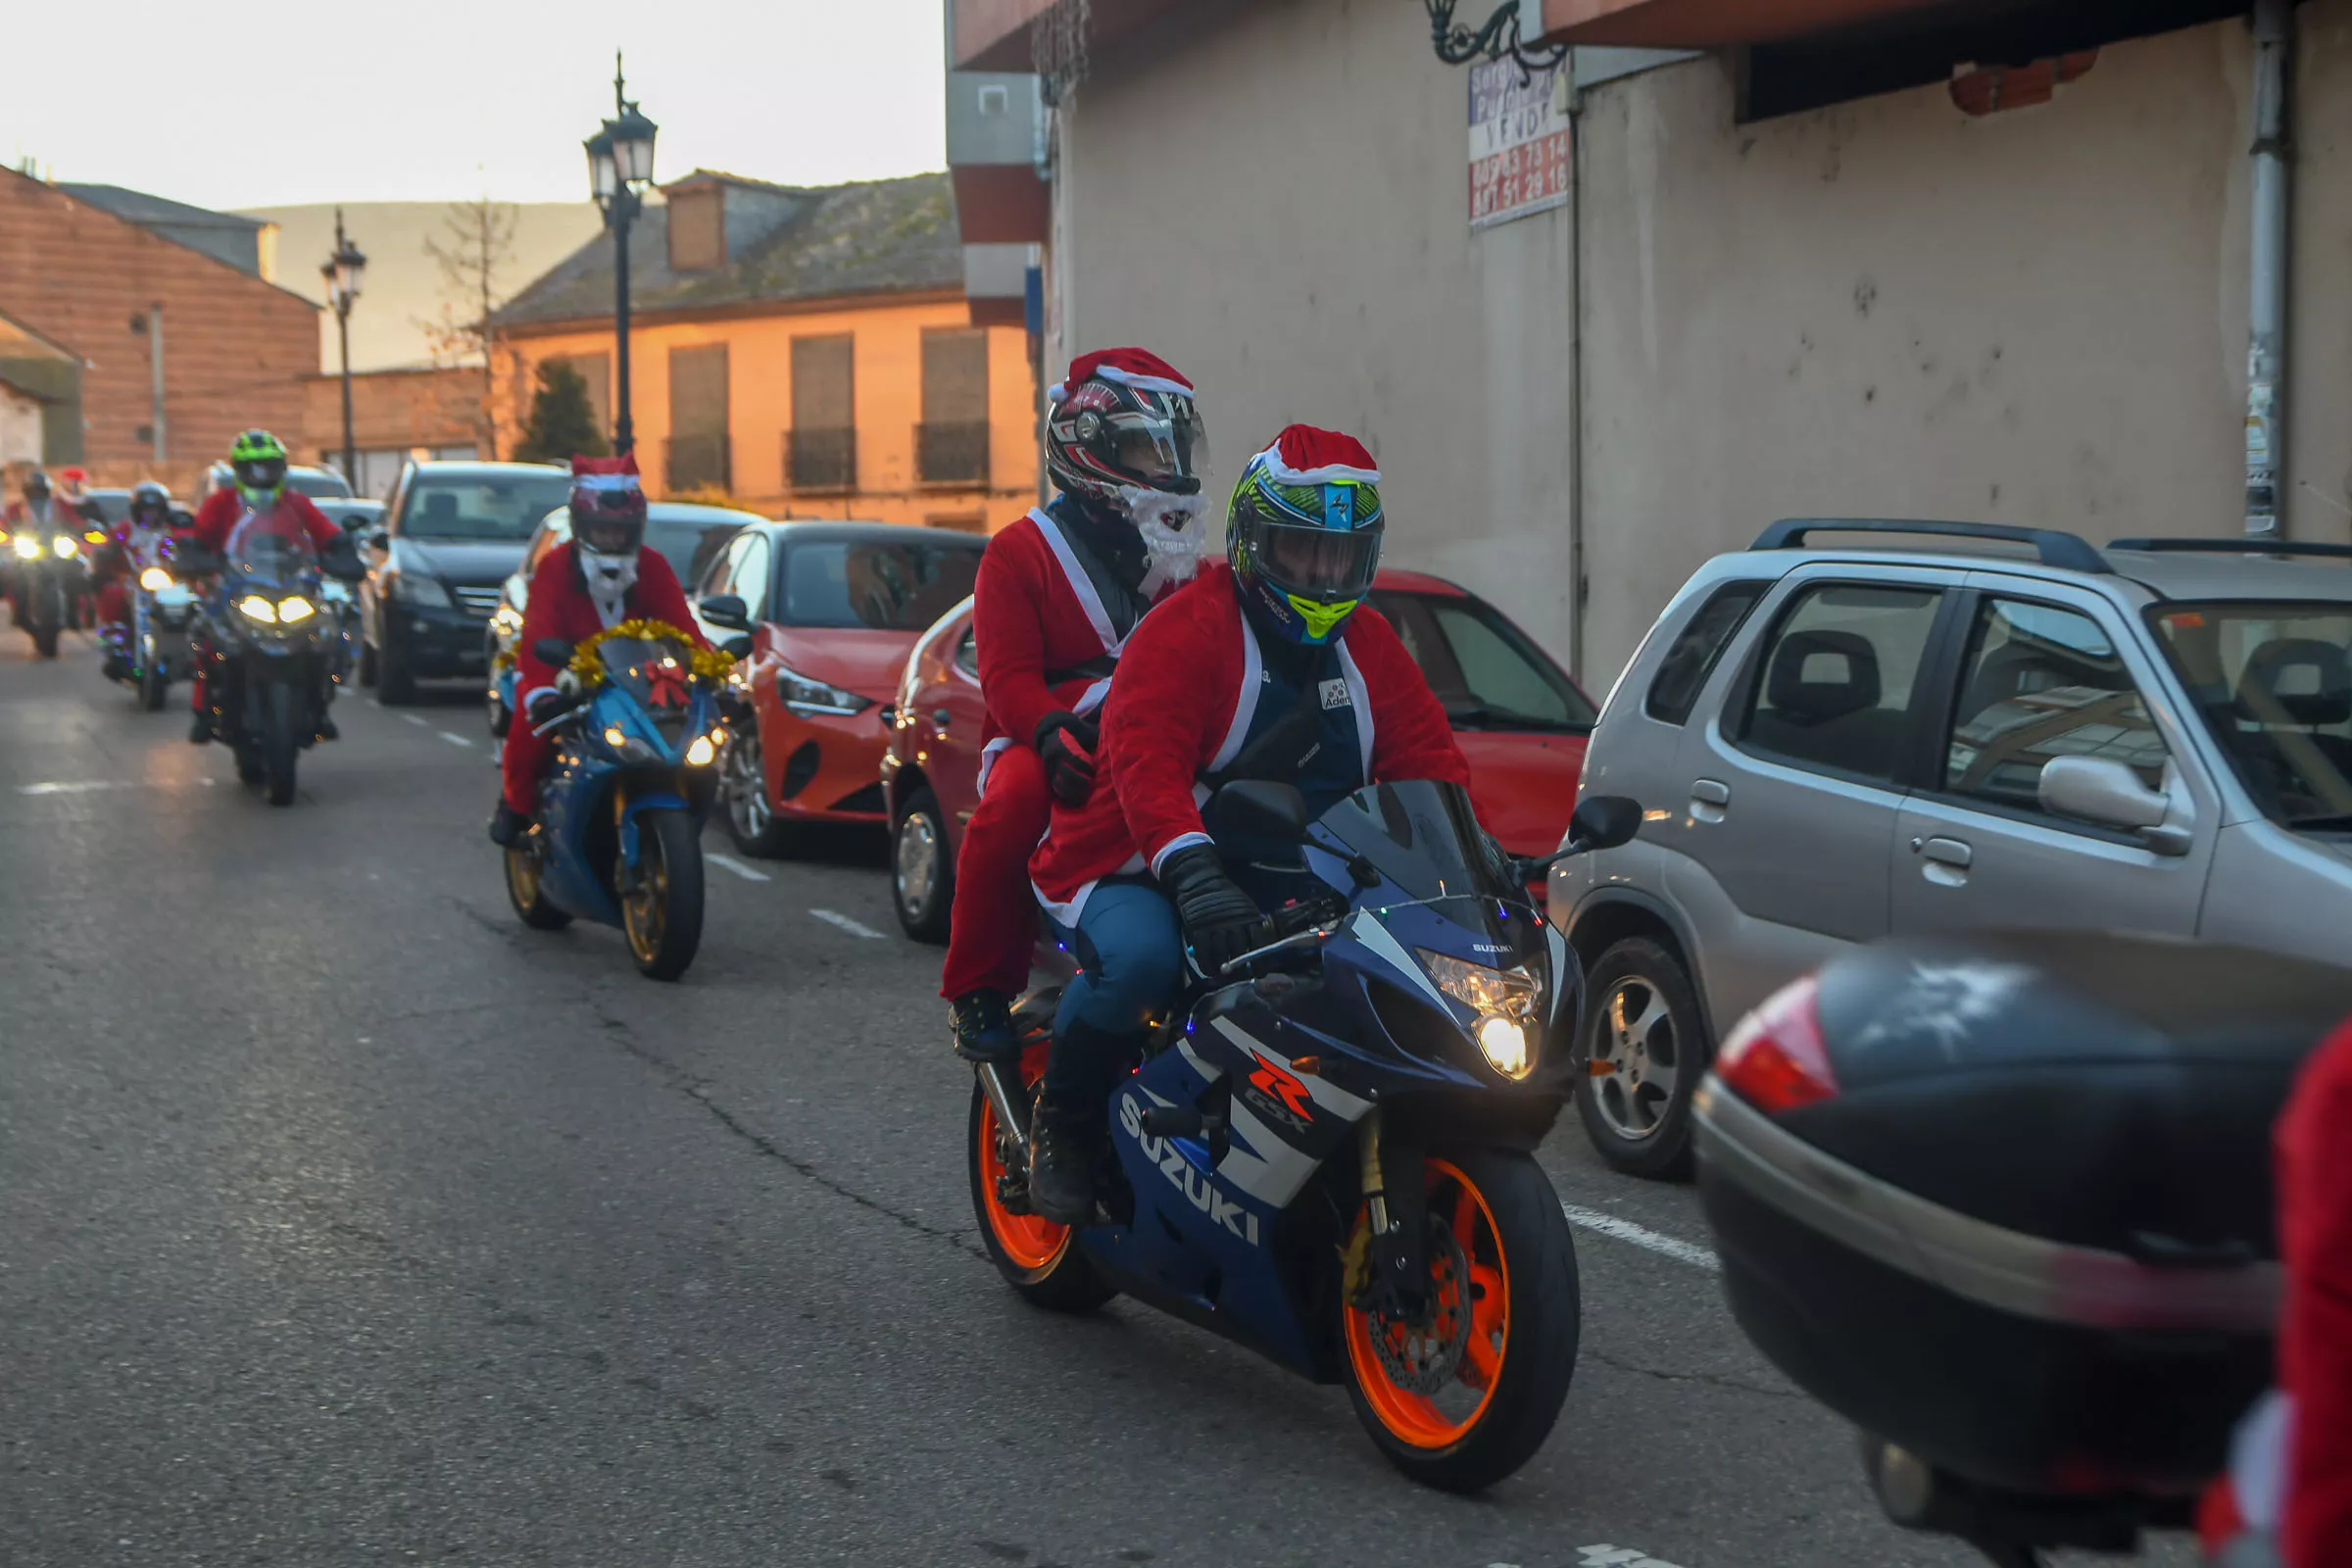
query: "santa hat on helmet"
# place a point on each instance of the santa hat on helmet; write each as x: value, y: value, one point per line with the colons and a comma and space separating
x: 1305, y: 455
x: 607, y: 484
x: 1139, y: 369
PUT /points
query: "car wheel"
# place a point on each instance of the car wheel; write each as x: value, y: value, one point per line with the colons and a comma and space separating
x: 1639, y: 1054
x: 743, y: 788
x: 922, y: 871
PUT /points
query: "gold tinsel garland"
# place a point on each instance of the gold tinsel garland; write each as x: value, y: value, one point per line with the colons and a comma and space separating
x: 708, y: 664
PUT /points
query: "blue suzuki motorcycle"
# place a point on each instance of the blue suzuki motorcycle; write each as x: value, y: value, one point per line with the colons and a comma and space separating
x: 1326, y: 1153
x: 265, y: 647
x: 618, y: 834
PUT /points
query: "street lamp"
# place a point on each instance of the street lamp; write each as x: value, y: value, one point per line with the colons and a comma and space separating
x: 621, y: 165
x: 343, y: 272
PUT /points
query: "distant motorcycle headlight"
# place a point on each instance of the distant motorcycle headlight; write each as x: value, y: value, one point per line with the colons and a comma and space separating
x: 155, y: 579
x: 297, y: 608
x: 1504, y: 1042
x: 63, y: 547
x: 255, y: 608
x: 613, y: 737
x: 95, y: 537
x: 701, y: 753
x: 27, y: 547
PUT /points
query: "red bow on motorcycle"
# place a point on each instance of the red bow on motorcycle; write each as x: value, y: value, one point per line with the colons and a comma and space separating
x: 668, y: 687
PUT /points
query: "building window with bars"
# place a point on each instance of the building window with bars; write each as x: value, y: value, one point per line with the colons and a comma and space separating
x: 821, y: 450
x: 951, y: 445
x: 699, y: 458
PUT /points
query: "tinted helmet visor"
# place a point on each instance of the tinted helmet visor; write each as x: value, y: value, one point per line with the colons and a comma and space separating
x: 1323, y: 564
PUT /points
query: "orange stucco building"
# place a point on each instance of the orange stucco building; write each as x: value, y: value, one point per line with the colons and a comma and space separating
x: 802, y: 353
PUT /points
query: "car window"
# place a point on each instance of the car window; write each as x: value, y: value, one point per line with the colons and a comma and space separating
x: 748, y: 578
x: 1697, y: 648
x: 501, y: 508
x: 1481, y: 666
x: 552, y: 533
x: 686, y: 543
x: 2040, y: 682
x: 2273, y: 684
x: 1835, y: 684
x: 879, y: 583
x: 968, y: 654
x: 709, y: 545
x: 722, y: 567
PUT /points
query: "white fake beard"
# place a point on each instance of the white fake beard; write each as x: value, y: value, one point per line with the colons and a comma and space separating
x: 609, y: 580
x: 1170, y: 528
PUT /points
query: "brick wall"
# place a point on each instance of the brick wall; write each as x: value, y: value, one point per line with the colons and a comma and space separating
x: 235, y: 349
x: 392, y: 408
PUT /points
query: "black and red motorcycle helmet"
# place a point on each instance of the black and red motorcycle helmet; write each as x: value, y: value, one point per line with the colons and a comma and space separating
x: 1124, y: 419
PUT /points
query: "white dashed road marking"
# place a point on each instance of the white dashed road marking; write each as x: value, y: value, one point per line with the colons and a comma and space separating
x: 85, y: 786
x: 414, y: 720
x: 454, y: 739
x: 856, y: 928
x: 1625, y: 1230
x: 742, y: 871
x: 1605, y: 1555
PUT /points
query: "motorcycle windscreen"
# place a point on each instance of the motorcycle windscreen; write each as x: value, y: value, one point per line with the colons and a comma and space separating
x: 271, y: 550
x: 1425, y: 839
x: 657, y: 672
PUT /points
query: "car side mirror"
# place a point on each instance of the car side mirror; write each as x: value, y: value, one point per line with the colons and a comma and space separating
x: 737, y: 647
x: 2103, y: 790
x: 1604, y: 821
x: 1261, y: 807
x: 553, y: 651
x: 728, y: 611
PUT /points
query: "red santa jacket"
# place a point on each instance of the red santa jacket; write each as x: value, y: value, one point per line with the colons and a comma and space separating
x: 559, y: 606
x: 1181, y: 704
x: 58, y: 516
x: 1036, y: 613
x: 223, y: 507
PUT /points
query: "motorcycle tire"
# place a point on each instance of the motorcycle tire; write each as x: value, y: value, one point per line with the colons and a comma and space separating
x: 250, y: 769
x: 154, y: 683
x: 1504, y: 1380
x: 524, y: 892
x: 1038, y: 1258
x: 44, y: 641
x: 661, y: 901
x: 281, y: 740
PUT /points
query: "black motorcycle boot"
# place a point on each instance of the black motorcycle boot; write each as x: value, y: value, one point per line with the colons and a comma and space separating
x: 1061, y: 1158
x: 508, y: 826
x: 200, y: 729
x: 983, y: 1024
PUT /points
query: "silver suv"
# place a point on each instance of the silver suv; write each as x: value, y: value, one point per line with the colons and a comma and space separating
x: 1840, y: 744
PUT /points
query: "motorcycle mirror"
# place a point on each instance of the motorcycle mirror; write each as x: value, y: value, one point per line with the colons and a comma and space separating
x: 739, y: 647
x: 1604, y: 821
x: 554, y: 651
x: 1261, y: 807
x: 727, y: 611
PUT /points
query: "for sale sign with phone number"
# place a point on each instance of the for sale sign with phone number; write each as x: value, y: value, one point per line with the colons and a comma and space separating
x: 1521, y: 158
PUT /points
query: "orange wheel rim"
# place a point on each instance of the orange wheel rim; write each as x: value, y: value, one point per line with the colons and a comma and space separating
x: 1481, y: 1294
x: 1031, y: 1243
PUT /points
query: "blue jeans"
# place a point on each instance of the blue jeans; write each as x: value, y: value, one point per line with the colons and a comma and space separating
x: 1130, y: 953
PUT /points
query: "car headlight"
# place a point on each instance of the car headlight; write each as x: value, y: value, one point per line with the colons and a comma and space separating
x: 418, y: 590
x: 155, y: 579
x: 701, y: 753
x: 27, y: 547
x: 292, y: 609
x: 64, y: 547
x: 803, y: 695
x: 253, y: 608
x: 1506, y: 1002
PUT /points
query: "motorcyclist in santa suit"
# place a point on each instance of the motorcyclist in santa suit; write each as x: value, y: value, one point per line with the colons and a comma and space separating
x: 142, y: 539
x: 257, y: 461
x: 1268, y: 666
x: 1059, y: 594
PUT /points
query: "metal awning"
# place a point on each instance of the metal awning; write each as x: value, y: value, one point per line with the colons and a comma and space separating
x: 1709, y: 23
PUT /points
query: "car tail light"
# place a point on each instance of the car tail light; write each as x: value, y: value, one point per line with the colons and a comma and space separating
x: 1774, y: 1059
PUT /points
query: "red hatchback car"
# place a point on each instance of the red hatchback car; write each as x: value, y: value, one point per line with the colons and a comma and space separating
x: 835, y: 609
x: 1521, y: 722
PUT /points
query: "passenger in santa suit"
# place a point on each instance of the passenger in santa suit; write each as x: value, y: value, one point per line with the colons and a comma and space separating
x: 1057, y: 596
x: 2287, y: 1499
x: 140, y: 540
x: 1267, y: 666
x: 598, y: 578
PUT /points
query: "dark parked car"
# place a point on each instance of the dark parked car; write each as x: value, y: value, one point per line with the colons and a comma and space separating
x: 452, y: 532
x: 352, y: 515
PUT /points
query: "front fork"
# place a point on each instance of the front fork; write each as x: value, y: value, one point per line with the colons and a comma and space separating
x: 1005, y: 1097
x: 1396, y: 1213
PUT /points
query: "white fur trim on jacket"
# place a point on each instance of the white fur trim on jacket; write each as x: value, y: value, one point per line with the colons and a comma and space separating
x: 1080, y: 585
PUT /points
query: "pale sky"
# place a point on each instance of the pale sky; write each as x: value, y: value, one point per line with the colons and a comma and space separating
x: 266, y: 102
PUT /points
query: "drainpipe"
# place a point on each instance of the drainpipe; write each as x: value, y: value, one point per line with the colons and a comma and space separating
x: 1577, y: 575
x: 2266, y: 422
x: 155, y: 376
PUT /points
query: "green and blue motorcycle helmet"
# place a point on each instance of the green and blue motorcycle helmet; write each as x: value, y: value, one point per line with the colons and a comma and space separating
x: 258, y: 458
x: 1303, y: 534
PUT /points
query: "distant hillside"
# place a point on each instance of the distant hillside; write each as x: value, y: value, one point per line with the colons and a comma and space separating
x: 403, y: 286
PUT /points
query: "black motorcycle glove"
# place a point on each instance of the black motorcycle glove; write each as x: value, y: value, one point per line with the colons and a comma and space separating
x: 1220, y: 920
x: 1066, y: 744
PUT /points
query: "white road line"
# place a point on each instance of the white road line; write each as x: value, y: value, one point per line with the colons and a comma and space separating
x: 1625, y: 1230
x: 414, y: 720
x: 856, y: 928
x: 85, y: 786
x: 742, y: 871
x: 456, y: 739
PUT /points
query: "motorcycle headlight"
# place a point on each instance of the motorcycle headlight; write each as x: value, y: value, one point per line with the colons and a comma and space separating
x: 155, y: 579
x: 64, y: 547
x: 27, y: 547
x: 505, y: 620
x: 1506, y: 1001
x: 805, y: 697
x: 255, y: 608
x: 94, y: 537
x: 701, y: 753
x: 417, y: 591
x: 292, y: 609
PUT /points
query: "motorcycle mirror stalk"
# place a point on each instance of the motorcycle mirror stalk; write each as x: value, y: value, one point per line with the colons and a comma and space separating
x: 1599, y: 822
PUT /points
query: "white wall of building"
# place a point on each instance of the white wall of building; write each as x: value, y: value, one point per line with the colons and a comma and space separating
x: 20, y: 426
x: 1880, y: 308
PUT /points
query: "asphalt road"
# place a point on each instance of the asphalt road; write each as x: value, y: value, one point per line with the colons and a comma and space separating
x: 343, y: 1220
